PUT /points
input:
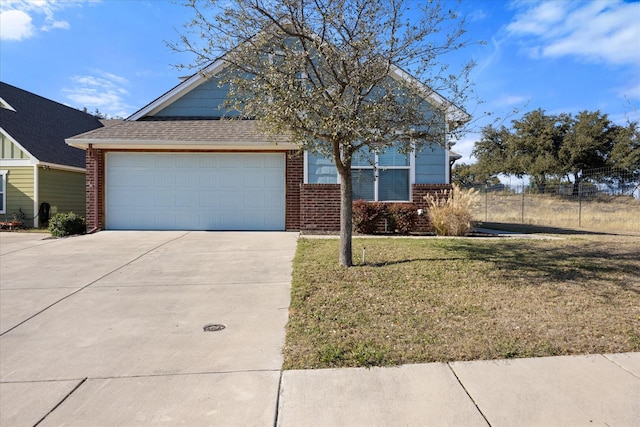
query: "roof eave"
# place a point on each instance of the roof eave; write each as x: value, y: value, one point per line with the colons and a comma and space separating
x: 180, y: 145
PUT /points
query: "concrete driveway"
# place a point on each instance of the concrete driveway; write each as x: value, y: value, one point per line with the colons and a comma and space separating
x: 107, y: 329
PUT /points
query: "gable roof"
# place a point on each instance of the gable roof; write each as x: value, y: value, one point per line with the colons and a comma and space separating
x: 40, y: 126
x: 455, y: 115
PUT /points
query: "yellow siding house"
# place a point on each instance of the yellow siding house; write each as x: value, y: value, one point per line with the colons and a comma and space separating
x: 40, y: 175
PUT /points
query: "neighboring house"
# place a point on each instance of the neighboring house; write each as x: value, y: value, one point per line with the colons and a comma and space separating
x: 177, y: 163
x: 37, y: 168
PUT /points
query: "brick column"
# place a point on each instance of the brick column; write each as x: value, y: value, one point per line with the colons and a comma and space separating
x: 94, y: 188
x: 294, y: 179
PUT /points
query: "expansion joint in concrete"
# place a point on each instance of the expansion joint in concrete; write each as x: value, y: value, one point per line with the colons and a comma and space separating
x: 468, y: 394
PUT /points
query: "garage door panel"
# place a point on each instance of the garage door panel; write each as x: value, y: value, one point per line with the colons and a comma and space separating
x: 206, y: 191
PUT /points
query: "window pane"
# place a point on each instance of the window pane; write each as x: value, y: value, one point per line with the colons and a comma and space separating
x: 393, y: 184
x: 363, y: 157
x: 362, y: 181
x: 391, y: 157
x: 321, y: 170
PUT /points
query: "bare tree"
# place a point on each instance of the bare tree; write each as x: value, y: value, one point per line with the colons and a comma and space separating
x: 337, y: 76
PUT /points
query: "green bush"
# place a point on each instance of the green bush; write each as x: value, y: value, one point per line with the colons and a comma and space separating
x: 67, y: 224
x: 366, y: 216
x: 402, y: 217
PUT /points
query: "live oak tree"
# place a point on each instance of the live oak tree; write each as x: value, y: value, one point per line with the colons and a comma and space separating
x: 471, y: 175
x: 334, y: 75
x: 560, y: 146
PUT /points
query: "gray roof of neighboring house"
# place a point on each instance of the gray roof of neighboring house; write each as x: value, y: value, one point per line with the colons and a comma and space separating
x: 41, y: 126
x: 179, y: 130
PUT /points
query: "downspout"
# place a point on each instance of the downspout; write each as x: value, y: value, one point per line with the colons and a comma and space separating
x: 36, y: 194
x: 92, y: 152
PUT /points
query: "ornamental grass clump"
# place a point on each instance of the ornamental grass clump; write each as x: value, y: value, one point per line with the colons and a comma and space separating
x: 450, y: 211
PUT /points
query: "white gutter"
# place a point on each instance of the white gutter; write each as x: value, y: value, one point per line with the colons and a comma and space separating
x: 61, y: 167
x: 179, y: 145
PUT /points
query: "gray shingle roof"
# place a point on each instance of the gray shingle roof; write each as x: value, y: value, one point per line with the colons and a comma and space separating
x: 41, y: 125
x: 203, y: 132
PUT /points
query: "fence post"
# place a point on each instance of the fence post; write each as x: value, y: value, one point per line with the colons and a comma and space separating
x: 486, y: 203
x: 523, y: 188
x: 580, y: 204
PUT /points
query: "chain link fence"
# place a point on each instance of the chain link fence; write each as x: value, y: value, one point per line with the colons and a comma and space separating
x: 604, y: 200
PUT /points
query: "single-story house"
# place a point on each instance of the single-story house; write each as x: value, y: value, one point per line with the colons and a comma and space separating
x: 40, y: 175
x: 178, y: 163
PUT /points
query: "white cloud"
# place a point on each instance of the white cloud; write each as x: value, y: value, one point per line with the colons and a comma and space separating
x: 100, y: 90
x: 598, y: 31
x: 465, y: 145
x: 632, y: 91
x: 15, y: 25
x: 508, y: 101
x: 21, y: 19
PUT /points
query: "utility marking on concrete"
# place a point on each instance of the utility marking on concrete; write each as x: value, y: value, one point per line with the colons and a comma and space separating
x: 61, y: 402
x: 214, y: 327
x: 468, y: 394
x: 98, y: 279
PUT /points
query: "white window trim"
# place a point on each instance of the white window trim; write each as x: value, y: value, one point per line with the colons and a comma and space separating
x: 411, y: 168
x: 3, y: 189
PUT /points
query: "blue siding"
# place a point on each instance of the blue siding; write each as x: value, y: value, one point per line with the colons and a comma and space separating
x: 431, y: 166
x: 204, y: 101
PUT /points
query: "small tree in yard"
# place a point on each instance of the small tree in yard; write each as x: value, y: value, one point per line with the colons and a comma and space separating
x: 331, y: 74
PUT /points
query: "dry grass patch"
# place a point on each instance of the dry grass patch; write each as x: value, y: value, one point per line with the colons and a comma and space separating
x: 427, y: 300
x: 612, y: 214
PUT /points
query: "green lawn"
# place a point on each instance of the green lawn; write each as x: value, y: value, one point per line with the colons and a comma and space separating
x: 436, y: 299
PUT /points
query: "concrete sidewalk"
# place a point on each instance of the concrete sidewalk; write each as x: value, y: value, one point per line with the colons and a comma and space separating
x: 552, y: 391
x: 107, y: 330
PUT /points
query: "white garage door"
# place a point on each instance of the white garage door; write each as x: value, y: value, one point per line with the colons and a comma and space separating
x: 188, y: 191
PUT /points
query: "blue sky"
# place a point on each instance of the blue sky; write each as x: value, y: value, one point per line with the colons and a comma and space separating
x: 561, y: 56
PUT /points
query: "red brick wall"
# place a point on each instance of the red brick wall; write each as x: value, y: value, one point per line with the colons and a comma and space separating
x: 419, y: 191
x: 320, y: 207
x: 94, y: 188
x: 294, y: 178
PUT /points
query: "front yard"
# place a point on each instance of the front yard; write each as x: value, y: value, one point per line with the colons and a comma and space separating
x: 427, y: 300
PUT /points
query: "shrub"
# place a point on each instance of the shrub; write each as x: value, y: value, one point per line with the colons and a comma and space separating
x: 402, y: 217
x: 450, y: 215
x: 366, y: 216
x: 67, y: 224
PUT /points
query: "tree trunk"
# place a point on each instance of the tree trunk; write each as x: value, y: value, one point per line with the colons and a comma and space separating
x: 346, y: 218
x: 576, y: 185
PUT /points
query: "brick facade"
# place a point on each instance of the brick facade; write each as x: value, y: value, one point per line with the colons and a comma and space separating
x: 320, y: 206
x: 293, y: 179
x: 309, y: 207
x: 95, y: 189
x: 418, y: 193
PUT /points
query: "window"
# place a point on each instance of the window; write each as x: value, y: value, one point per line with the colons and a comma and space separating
x: 381, y: 177
x: 320, y: 169
x: 3, y: 192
